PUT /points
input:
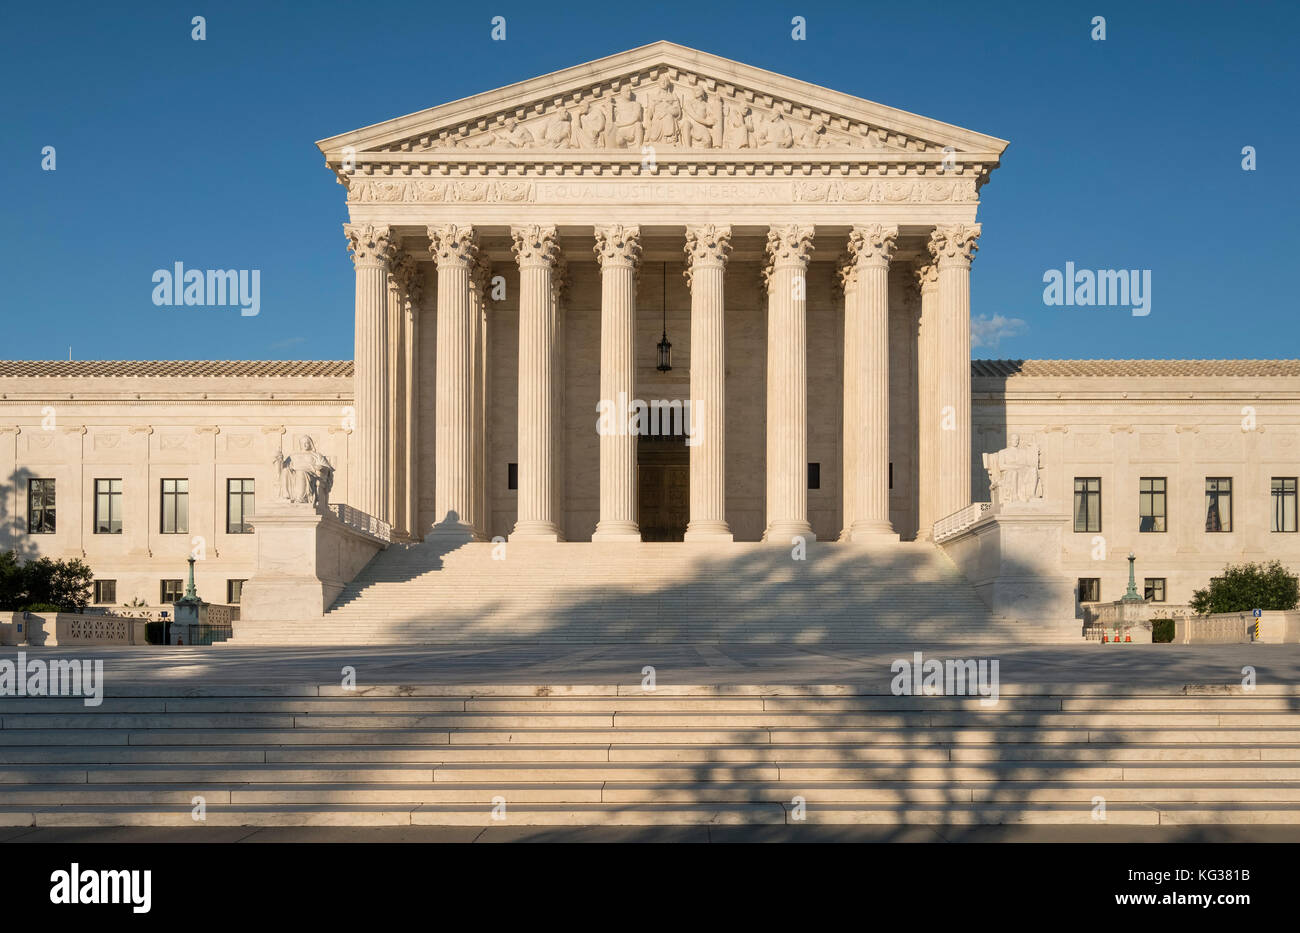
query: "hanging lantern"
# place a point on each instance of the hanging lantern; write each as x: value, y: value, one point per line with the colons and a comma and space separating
x: 665, y: 348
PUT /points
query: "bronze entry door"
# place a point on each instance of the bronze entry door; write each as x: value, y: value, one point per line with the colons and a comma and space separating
x: 663, y: 487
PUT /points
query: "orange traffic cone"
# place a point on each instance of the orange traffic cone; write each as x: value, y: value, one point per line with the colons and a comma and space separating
x: 1104, y: 639
x: 1128, y: 636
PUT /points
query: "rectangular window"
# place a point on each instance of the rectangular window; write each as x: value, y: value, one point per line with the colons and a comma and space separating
x: 175, y: 507
x: 171, y: 590
x: 1151, y: 503
x: 40, y: 506
x: 105, y: 592
x: 1218, y: 503
x: 234, y: 590
x: 108, y: 506
x: 512, y: 476
x: 239, y: 506
x: 1089, y: 589
x: 1283, y: 504
x: 814, y: 476
x: 1153, y: 590
x: 1087, y: 503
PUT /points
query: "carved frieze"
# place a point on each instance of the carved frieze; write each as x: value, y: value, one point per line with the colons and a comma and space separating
x: 678, y: 110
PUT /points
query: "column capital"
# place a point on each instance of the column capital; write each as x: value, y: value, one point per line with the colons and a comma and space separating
x: 789, y: 245
x: 535, y: 245
x: 453, y: 245
x: 954, y: 244
x: 872, y: 244
x: 707, y: 244
x: 405, y: 274
x: 373, y: 245
x: 618, y: 245
x: 846, y: 273
x: 927, y: 274
x: 480, y: 278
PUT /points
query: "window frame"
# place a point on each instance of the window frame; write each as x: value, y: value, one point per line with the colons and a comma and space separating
x: 1147, y: 586
x: 162, y: 591
x: 49, y: 513
x: 1219, y: 494
x: 115, y: 500
x: 1276, y: 500
x: 246, y: 503
x: 1087, y: 494
x: 230, y: 591
x: 1163, y: 494
x: 1078, y: 589
x: 176, y: 495
x: 98, y: 594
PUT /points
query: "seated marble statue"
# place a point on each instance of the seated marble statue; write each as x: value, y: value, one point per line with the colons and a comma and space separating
x: 305, y: 475
x: 1014, y: 472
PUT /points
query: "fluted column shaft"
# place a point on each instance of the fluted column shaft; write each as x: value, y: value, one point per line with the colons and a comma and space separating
x: 455, y: 249
x: 953, y: 247
x: 928, y: 401
x: 412, y: 281
x: 873, y: 247
x: 373, y: 250
x: 707, y: 247
x: 846, y: 272
x: 397, y: 396
x: 537, y: 250
x: 481, y: 291
x: 618, y: 249
x: 789, y: 250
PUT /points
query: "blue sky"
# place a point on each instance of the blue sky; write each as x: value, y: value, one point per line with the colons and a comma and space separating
x: 1125, y: 153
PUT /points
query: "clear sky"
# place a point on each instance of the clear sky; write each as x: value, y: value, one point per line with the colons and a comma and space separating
x: 1125, y: 153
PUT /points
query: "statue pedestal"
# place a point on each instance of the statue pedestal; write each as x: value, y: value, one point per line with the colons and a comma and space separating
x: 305, y: 556
x: 1013, y: 559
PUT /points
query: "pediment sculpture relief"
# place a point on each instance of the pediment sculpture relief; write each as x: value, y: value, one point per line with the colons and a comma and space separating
x: 673, y: 114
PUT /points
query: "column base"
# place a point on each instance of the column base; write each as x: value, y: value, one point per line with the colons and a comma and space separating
x: 708, y: 532
x: 780, y: 532
x: 451, y: 532
x: 535, y: 531
x: 880, y: 532
x: 617, y: 532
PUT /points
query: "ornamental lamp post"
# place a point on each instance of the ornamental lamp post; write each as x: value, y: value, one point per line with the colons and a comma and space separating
x: 1131, y: 596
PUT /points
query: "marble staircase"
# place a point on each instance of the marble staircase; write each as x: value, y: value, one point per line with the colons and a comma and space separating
x: 657, y: 592
x: 561, y: 754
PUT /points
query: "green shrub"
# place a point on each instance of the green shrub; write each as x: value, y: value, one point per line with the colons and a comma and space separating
x: 42, y: 608
x: 1244, y: 587
x: 1162, y: 630
x: 63, y: 584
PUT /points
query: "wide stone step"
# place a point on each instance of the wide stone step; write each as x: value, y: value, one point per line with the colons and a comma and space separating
x: 625, y: 814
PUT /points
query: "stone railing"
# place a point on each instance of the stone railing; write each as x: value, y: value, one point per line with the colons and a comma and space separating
x: 363, y: 522
x: 959, y: 521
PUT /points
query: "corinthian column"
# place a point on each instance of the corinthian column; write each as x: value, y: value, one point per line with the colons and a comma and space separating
x: 927, y: 394
x: 537, y: 250
x: 373, y: 250
x: 707, y: 247
x: 788, y: 248
x: 455, y: 249
x: 846, y: 276
x: 481, y: 297
x: 872, y: 247
x: 411, y: 281
x: 952, y: 247
x: 618, y: 250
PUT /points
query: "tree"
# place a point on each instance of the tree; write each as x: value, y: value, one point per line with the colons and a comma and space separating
x: 1244, y: 587
x: 44, y: 582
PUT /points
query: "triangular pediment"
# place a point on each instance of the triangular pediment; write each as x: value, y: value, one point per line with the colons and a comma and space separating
x: 671, y: 99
